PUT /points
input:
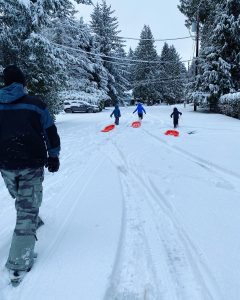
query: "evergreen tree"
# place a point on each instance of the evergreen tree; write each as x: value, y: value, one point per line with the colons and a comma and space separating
x: 174, y: 73
x: 120, y: 73
x: 145, y: 73
x: 105, y: 27
x: 227, y: 39
x: 130, y: 66
x: 197, y: 9
x: 23, y: 43
x: 218, y: 64
x: 87, y: 78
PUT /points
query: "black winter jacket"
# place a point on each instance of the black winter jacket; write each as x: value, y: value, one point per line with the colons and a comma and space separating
x: 27, y: 132
x: 175, y: 114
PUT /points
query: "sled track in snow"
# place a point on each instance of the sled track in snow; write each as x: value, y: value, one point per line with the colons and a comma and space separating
x: 194, y: 158
x: 155, y: 249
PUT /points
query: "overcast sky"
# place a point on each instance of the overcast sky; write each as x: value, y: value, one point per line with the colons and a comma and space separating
x: 163, y: 17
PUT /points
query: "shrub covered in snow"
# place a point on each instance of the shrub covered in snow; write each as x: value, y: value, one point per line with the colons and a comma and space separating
x: 229, y: 105
x: 92, y: 98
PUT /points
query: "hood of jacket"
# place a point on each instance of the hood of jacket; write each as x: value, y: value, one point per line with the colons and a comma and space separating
x: 11, y: 93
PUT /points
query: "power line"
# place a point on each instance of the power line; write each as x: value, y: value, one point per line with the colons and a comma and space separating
x: 121, y: 59
x: 156, y: 40
x: 158, y: 80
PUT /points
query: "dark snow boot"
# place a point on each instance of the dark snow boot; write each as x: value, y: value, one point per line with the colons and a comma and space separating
x: 39, y: 222
x: 16, y: 277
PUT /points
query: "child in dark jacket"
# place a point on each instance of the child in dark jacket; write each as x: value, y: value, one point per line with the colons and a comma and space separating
x: 175, y: 114
x: 117, y: 114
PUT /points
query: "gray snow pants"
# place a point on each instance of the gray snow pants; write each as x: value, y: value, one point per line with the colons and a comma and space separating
x: 25, y: 186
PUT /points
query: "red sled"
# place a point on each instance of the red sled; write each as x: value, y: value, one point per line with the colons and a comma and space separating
x: 108, y: 128
x: 136, y: 124
x: 172, y: 132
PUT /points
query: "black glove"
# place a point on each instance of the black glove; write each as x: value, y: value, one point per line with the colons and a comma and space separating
x: 52, y: 164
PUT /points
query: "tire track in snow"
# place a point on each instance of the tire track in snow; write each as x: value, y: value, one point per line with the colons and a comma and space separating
x: 177, y: 263
x: 169, y: 244
x: 133, y: 276
x: 197, y: 270
x: 163, y: 205
x: 205, y: 283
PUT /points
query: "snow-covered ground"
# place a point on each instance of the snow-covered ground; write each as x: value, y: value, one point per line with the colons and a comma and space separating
x: 134, y: 214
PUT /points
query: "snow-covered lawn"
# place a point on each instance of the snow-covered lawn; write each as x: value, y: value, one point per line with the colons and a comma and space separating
x: 134, y: 214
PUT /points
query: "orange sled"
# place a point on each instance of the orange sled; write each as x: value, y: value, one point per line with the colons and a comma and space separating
x: 172, y: 132
x: 136, y: 124
x: 108, y: 128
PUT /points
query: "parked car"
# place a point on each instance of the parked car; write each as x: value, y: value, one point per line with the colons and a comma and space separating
x: 80, y: 106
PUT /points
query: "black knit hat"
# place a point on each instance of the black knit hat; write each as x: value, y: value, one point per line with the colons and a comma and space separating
x: 13, y: 74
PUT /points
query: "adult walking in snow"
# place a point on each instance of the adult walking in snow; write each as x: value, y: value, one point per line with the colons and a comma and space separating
x: 28, y: 141
x: 175, y: 114
x: 140, y: 109
x: 117, y: 114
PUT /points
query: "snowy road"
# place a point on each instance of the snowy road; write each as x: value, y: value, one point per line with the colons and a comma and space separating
x: 137, y: 215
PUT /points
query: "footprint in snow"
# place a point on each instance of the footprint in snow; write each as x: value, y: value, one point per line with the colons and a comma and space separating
x: 122, y: 169
x: 224, y: 185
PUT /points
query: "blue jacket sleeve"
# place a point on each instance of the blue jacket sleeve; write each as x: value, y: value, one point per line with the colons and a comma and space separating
x: 113, y: 113
x: 50, y: 134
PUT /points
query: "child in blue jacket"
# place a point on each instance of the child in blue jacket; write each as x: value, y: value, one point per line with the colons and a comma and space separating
x: 140, y: 109
x: 117, y: 114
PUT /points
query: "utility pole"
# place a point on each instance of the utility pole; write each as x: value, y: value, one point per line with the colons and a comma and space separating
x: 197, y: 36
x: 197, y: 50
